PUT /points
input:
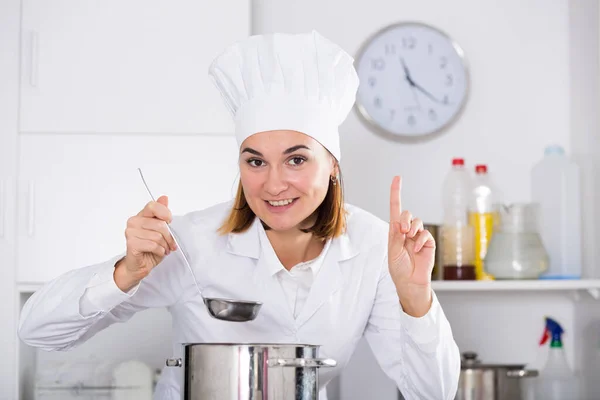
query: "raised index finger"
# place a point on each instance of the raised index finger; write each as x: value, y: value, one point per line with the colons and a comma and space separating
x: 395, y: 201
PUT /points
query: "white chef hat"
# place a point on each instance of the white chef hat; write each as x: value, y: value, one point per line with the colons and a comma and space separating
x: 301, y: 82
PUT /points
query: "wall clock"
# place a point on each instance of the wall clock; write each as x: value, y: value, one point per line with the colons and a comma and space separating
x: 414, y: 81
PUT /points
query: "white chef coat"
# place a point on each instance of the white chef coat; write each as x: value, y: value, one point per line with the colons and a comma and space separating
x: 352, y: 295
x: 296, y: 282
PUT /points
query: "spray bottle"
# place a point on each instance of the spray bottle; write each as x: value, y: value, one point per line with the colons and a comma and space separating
x: 556, y: 380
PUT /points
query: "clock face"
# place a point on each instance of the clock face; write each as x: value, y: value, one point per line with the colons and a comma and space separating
x: 413, y: 81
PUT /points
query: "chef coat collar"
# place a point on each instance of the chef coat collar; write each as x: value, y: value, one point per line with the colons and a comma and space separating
x: 275, y: 266
x: 247, y: 244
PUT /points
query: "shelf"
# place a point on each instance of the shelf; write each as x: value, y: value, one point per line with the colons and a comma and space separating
x: 592, y: 286
x: 28, y: 288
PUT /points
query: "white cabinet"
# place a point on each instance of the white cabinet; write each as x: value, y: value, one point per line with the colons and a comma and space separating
x: 137, y: 66
x: 94, y: 91
x: 76, y: 192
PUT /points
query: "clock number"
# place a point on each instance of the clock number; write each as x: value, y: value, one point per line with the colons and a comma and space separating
x: 443, y: 62
x: 378, y: 64
x: 412, y: 120
x: 377, y: 102
x: 392, y: 113
x: 409, y: 42
x: 372, y: 81
x: 429, y: 48
x: 390, y: 49
x: 449, y: 80
x: 445, y: 99
x: 432, y: 114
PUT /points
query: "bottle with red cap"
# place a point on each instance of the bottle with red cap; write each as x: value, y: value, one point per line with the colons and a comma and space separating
x: 457, y: 254
x: 482, y: 216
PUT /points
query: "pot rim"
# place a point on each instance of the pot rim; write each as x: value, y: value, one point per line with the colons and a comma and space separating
x: 493, y: 366
x: 217, y: 344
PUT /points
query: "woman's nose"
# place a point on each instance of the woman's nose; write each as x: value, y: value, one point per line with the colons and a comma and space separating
x: 275, y: 183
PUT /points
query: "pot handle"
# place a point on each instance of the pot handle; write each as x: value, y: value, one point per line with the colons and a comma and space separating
x: 521, y: 373
x: 301, y: 362
x: 174, y: 362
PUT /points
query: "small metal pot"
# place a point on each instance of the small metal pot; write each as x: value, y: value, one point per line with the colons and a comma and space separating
x: 250, y: 371
x: 491, y: 381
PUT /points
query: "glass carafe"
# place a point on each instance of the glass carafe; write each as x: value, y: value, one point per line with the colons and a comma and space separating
x: 516, y: 250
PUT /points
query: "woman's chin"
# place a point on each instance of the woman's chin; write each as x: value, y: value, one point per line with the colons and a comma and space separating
x: 279, y: 225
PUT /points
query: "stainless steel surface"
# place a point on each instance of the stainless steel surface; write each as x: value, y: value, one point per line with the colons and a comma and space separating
x: 301, y: 362
x: 219, y: 308
x: 250, y: 371
x: 480, y: 381
x: 174, y: 362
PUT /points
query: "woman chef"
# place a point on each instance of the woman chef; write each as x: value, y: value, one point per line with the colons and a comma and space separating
x: 327, y: 273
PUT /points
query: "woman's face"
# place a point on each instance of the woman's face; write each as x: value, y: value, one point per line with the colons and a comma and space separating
x: 285, y: 176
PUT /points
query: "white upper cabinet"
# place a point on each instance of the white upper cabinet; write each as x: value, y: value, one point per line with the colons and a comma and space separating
x: 76, y: 192
x: 135, y: 66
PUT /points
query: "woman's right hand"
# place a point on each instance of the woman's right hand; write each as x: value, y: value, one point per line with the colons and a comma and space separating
x: 148, y: 242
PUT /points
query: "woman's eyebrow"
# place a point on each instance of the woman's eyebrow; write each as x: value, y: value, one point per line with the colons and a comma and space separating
x: 294, y: 148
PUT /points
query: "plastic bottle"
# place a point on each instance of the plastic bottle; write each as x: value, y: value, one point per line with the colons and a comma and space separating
x: 556, y: 380
x: 482, y: 217
x: 457, y: 235
x: 591, y: 359
x: 555, y: 185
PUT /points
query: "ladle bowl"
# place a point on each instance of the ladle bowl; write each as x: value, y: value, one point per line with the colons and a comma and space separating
x: 232, y: 310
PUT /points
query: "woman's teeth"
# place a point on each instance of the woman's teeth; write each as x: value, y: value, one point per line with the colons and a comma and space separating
x: 281, y: 202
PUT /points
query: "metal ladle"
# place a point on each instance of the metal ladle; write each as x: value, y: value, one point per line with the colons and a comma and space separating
x: 219, y: 308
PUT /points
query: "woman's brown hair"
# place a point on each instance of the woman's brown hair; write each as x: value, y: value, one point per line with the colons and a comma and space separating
x: 330, y: 221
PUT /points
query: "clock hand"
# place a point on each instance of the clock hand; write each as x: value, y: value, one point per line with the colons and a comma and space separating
x: 414, y: 85
x: 406, y: 71
x: 410, y: 81
x: 426, y: 93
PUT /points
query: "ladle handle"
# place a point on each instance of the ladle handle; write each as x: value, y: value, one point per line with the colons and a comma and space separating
x: 174, y: 237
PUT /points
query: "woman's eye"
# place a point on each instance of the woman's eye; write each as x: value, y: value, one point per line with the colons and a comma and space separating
x: 255, y: 162
x: 297, y: 160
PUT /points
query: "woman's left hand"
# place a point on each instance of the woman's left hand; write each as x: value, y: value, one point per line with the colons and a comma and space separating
x: 411, y: 255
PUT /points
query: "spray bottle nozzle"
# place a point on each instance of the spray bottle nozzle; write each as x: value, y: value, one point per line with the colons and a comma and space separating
x: 554, y: 330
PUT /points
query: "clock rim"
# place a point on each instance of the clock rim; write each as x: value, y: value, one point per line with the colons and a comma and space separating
x: 404, y: 137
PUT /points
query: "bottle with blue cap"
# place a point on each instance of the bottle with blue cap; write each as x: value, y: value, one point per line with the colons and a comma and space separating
x: 556, y: 380
x: 555, y: 186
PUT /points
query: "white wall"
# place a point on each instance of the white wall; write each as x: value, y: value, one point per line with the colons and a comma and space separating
x: 534, y: 67
x: 519, y: 99
x: 585, y: 101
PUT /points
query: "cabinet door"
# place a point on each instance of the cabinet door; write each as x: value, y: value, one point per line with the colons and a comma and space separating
x: 76, y: 192
x: 137, y: 66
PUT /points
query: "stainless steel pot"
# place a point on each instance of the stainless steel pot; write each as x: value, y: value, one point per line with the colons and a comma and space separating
x: 491, y: 381
x: 250, y: 371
